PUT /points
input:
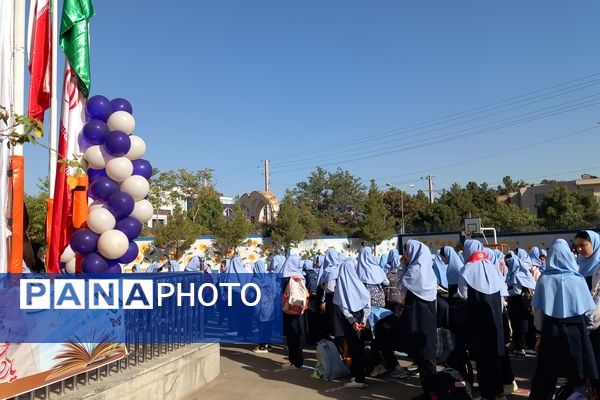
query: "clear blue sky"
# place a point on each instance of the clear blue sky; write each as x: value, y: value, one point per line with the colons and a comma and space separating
x: 225, y: 84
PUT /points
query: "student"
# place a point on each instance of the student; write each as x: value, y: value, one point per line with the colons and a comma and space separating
x: 419, y: 315
x: 587, y: 246
x: 520, y: 289
x: 310, y: 271
x: 536, y: 262
x: 265, y: 311
x: 440, y: 268
x: 294, y: 326
x: 543, y: 257
x: 370, y: 273
x: 458, y: 358
x: 560, y: 304
x: 276, y: 264
x: 480, y: 284
x: 236, y: 273
x: 352, y: 298
x: 333, y: 318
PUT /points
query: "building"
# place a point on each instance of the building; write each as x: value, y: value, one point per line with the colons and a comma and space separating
x: 530, y: 197
x: 260, y: 206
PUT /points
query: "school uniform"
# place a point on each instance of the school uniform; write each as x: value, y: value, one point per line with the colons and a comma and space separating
x: 520, y: 286
x: 560, y: 303
x: 418, y: 319
x: 353, y: 300
x: 480, y: 283
x: 328, y: 274
x: 294, y: 326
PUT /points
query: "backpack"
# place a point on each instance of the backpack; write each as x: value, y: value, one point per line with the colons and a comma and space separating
x: 295, y: 297
x: 311, y: 281
x: 377, y: 295
x: 448, y: 384
x: 392, y: 293
x: 445, y: 344
x: 329, y: 363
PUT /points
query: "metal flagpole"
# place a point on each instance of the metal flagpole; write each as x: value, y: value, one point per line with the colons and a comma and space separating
x: 54, y: 102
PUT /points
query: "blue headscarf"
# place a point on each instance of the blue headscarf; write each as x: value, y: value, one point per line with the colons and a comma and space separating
x: 293, y: 267
x: 481, y: 275
x: 350, y: 292
x: 496, y: 257
x: 440, y: 269
x: 307, y: 265
x: 544, y: 253
x: 173, y: 266
x: 587, y: 265
x: 524, y: 256
x: 534, y: 255
x: 368, y: 270
x: 455, y: 264
x: 318, y: 260
x: 393, y: 261
x: 419, y: 277
x: 276, y: 263
x: 236, y: 273
x: 193, y: 265
x: 461, y: 256
x: 331, y: 267
x: 383, y: 259
x: 258, y: 268
x: 153, y: 267
x: 518, y: 274
x: 561, y: 291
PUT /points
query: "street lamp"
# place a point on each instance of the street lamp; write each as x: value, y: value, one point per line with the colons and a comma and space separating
x: 401, y: 205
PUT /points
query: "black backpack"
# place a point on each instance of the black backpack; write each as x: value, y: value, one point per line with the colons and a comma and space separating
x: 311, y: 281
x: 450, y: 385
x: 392, y: 293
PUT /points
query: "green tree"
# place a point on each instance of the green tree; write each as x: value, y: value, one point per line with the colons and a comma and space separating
x: 175, y: 237
x: 231, y: 233
x: 510, y: 186
x: 287, y: 229
x: 377, y: 223
x: 509, y: 218
x: 36, y: 209
x: 563, y: 209
x: 334, y: 198
x: 205, y: 209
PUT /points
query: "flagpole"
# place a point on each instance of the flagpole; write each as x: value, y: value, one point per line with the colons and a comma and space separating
x: 19, y: 66
x: 54, y: 102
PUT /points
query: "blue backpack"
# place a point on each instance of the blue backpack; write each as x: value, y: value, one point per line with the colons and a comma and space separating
x: 329, y: 363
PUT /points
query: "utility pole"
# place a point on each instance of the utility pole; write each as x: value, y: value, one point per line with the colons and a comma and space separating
x: 430, y: 179
x: 267, y: 177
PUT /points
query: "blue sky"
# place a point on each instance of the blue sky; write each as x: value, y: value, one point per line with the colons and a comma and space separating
x: 226, y: 84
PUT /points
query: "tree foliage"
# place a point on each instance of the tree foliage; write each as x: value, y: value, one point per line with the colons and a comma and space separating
x: 287, y: 229
x: 36, y: 209
x: 565, y: 209
x: 231, y: 233
x: 175, y: 237
x: 377, y: 223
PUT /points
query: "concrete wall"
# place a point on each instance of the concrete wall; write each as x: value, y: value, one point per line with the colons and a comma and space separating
x: 170, y: 377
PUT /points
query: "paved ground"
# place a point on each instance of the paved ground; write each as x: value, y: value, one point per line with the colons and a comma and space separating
x: 247, y: 376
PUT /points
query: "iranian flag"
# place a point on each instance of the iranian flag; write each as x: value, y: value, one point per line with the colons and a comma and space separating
x: 40, y: 57
x: 74, y: 40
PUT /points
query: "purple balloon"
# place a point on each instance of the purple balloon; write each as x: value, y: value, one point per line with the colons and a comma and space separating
x: 94, y: 174
x: 130, y: 255
x: 98, y: 107
x: 114, y: 269
x: 130, y: 226
x: 121, y: 204
x: 104, y: 187
x: 117, y: 143
x: 120, y: 104
x: 84, y: 241
x: 142, y: 167
x: 94, y: 263
x: 95, y: 131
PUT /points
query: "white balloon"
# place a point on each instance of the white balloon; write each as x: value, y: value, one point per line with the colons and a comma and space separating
x: 121, y: 121
x: 101, y: 220
x: 142, y: 211
x: 95, y: 158
x: 67, y: 255
x: 96, y: 204
x: 70, y: 266
x: 118, y: 169
x: 138, y: 148
x: 137, y: 186
x: 113, y: 244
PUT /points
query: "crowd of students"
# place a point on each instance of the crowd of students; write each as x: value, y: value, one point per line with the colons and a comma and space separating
x: 494, y: 304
